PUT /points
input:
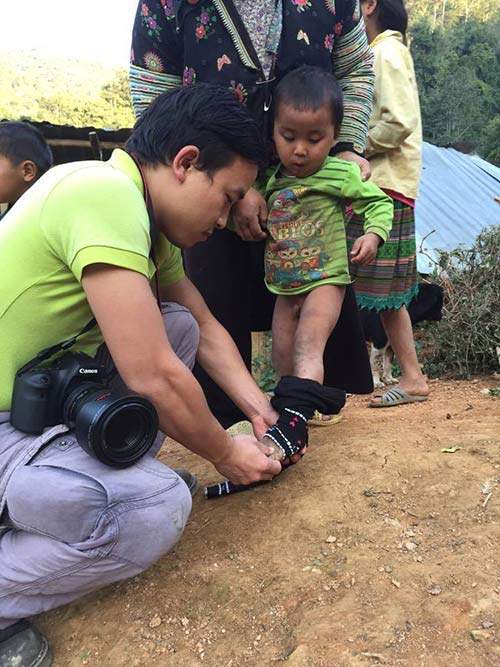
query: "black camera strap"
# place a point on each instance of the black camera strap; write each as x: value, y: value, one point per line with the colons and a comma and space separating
x: 153, y: 230
x: 53, y: 349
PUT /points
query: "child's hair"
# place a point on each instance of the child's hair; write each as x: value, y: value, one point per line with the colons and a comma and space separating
x: 21, y: 141
x: 309, y: 88
x: 204, y: 115
x: 392, y: 15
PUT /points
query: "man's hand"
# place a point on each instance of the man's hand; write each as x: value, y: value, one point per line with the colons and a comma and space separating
x: 362, y: 162
x: 250, y: 216
x: 262, y: 422
x: 246, y: 461
x: 364, y: 249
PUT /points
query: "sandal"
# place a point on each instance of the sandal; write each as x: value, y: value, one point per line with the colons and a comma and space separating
x: 396, y: 396
x: 324, y: 420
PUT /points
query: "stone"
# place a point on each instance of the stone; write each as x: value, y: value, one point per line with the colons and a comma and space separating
x: 299, y: 657
x: 376, y: 657
x: 435, y: 590
x: 479, y: 635
x: 331, y: 539
x: 155, y: 622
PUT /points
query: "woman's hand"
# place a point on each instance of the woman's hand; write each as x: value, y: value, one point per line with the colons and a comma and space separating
x: 362, y: 162
x: 364, y: 249
x: 250, y: 216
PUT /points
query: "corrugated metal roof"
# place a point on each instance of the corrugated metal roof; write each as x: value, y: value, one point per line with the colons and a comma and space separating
x: 456, y: 201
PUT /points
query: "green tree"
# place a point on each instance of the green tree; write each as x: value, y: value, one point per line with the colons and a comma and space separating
x: 458, y: 71
x: 63, y: 92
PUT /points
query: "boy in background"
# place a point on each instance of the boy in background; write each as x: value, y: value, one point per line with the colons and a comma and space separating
x: 24, y: 157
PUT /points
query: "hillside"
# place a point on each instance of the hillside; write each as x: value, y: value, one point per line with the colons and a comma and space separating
x: 58, y: 90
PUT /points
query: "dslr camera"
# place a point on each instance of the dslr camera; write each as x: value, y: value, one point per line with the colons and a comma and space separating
x: 116, y: 428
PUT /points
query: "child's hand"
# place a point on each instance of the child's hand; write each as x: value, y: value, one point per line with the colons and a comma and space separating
x: 365, y: 248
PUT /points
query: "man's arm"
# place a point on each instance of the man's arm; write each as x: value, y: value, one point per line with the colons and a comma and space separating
x: 133, y: 329
x: 219, y: 357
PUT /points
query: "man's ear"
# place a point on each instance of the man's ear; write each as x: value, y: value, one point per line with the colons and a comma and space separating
x: 186, y: 159
x: 29, y: 171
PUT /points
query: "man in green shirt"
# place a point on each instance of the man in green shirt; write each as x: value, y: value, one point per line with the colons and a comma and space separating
x: 77, y: 246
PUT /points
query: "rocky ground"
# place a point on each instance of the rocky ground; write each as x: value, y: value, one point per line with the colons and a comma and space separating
x: 380, y: 547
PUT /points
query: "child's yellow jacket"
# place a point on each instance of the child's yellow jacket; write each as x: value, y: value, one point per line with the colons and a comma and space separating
x: 394, y: 145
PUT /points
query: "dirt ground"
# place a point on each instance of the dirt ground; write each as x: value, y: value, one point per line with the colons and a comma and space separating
x: 378, y: 548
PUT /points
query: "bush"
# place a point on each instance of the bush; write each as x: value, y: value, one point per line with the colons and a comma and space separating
x: 262, y: 368
x: 465, y: 342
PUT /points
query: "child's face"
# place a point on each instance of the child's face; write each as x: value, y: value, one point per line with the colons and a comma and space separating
x: 303, y: 139
x: 15, y: 179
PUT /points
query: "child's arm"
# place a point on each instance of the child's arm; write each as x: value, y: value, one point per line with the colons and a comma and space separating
x: 377, y: 209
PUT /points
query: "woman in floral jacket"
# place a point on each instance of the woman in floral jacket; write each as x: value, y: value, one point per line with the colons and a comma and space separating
x: 247, y: 46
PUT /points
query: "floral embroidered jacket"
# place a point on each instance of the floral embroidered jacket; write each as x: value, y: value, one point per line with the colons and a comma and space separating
x: 178, y: 42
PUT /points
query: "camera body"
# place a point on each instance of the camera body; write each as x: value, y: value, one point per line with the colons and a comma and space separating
x: 38, y: 397
x: 116, y: 427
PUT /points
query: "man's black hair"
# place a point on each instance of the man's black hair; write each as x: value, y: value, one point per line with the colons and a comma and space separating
x: 309, y: 88
x: 21, y: 141
x: 392, y: 15
x: 204, y: 115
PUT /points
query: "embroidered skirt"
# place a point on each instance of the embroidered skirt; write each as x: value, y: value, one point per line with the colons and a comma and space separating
x: 390, y: 281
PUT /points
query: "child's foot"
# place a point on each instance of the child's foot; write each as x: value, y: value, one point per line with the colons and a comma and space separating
x: 289, y: 434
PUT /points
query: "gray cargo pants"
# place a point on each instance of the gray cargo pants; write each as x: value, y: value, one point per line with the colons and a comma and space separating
x: 72, y: 524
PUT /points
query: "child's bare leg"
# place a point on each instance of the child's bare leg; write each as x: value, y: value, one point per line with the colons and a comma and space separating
x: 301, y: 327
x: 318, y: 316
x: 285, y: 321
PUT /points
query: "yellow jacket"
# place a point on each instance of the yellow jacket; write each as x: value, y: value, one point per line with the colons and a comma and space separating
x: 394, y: 145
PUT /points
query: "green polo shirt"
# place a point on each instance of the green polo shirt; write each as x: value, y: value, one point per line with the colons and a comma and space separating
x: 77, y: 214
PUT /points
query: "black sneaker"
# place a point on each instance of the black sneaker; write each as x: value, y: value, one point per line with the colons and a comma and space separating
x: 22, y: 645
x: 189, y: 479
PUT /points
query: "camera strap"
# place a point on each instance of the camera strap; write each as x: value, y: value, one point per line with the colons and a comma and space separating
x: 53, y: 349
x: 153, y: 230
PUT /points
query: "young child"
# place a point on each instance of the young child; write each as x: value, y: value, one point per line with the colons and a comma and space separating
x: 24, y: 157
x: 306, y: 262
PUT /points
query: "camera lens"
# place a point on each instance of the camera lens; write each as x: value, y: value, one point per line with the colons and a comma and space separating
x: 123, y: 429
x: 118, y: 430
